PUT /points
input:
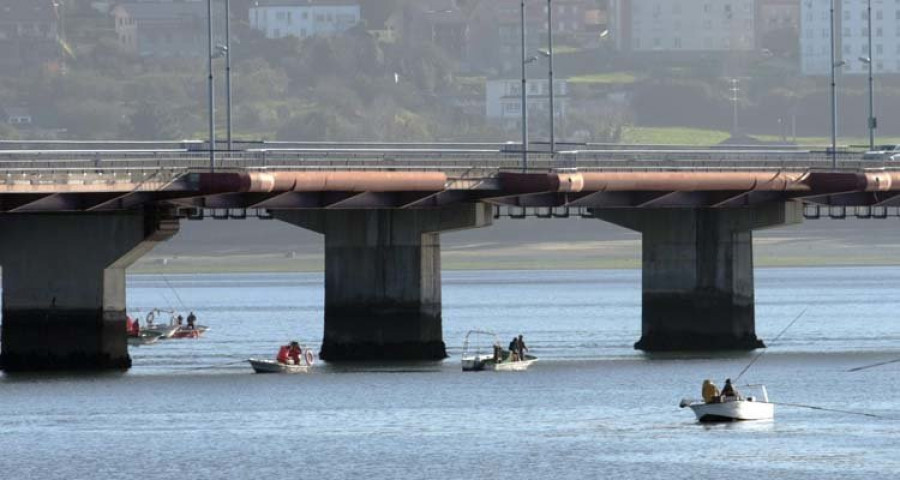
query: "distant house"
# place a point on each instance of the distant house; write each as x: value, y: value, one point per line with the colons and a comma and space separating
x: 303, y: 18
x: 16, y: 116
x: 162, y: 29
x: 28, y: 35
x: 503, y: 100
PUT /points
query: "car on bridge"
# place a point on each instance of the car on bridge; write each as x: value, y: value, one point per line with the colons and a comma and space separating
x: 883, y: 153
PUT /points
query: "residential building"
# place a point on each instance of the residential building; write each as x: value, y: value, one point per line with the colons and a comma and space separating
x: 29, y: 35
x: 851, y: 36
x: 778, y: 25
x: 162, y: 29
x: 503, y: 101
x: 303, y: 18
x: 683, y: 25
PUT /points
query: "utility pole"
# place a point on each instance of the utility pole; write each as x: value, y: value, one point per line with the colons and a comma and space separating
x: 524, y: 98
x: 550, y: 77
x: 228, y: 69
x: 211, y: 89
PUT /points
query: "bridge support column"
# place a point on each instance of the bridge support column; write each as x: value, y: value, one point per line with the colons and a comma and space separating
x: 698, y: 273
x: 64, y: 287
x: 383, y: 278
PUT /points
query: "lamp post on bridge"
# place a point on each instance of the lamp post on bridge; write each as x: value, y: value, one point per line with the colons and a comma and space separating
x: 834, y: 65
x: 211, y: 90
x: 868, y: 60
x: 525, y: 62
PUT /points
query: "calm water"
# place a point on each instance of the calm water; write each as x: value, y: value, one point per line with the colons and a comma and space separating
x: 591, y: 408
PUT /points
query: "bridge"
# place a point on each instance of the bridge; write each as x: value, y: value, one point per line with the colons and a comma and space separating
x: 74, y: 219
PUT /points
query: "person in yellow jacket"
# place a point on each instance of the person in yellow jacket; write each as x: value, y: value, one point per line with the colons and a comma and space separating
x: 710, y: 391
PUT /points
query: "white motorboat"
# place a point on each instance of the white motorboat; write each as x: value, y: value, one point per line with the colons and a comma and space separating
x: 475, y: 356
x: 730, y: 409
x: 272, y: 366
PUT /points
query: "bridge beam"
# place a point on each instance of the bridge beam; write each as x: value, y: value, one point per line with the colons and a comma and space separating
x: 64, y: 286
x: 383, y: 278
x: 698, y: 292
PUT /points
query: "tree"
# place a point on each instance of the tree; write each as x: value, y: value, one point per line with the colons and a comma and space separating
x: 154, y: 121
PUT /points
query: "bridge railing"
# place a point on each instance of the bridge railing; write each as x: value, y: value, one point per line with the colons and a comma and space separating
x: 453, y: 162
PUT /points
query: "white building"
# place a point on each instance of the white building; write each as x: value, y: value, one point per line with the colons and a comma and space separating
x: 503, y: 100
x: 303, y: 18
x: 683, y: 25
x: 852, y: 36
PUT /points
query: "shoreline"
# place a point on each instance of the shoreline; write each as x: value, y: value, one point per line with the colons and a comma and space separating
x: 270, y: 264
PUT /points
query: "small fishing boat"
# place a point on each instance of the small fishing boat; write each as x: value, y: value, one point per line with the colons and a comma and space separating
x: 730, y: 409
x: 187, y: 332
x: 143, y: 338
x: 272, y: 366
x: 476, y: 357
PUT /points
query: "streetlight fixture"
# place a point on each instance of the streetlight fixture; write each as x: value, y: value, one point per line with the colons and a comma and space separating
x: 550, y: 75
x: 834, y: 66
x: 211, y: 89
x: 525, y: 61
x: 872, y: 122
x: 228, y: 69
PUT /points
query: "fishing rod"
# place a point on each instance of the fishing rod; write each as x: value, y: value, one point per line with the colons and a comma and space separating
x: 879, y: 364
x: 183, y: 306
x: 835, y: 410
x: 760, y: 354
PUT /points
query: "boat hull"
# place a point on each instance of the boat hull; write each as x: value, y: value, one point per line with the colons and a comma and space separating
x: 731, y: 411
x: 487, y: 363
x: 185, y: 332
x: 271, y: 366
x: 144, y: 338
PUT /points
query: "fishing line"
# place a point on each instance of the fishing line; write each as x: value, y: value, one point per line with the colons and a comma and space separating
x: 879, y: 364
x: 760, y: 354
x: 183, y: 307
x: 848, y: 412
x: 220, y: 365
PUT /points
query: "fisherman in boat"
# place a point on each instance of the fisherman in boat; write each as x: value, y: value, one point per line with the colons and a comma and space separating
x: 710, y: 392
x: 728, y: 391
x: 179, y: 319
x: 294, y: 352
x: 283, y: 354
x: 191, y: 320
x: 514, y: 350
x: 520, y: 347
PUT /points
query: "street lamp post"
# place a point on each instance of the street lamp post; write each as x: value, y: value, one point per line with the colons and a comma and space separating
x: 524, y: 98
x: 550, y: 76
x: 833, y: 67
x: 228, y: 68
x: 211, y: 91
x: 734, y: 100
x: 872, y: 123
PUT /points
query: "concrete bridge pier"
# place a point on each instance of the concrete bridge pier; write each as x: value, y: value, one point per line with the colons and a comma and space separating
x: 64, y: 286
x: 698, y: 292
x: 383, y: 278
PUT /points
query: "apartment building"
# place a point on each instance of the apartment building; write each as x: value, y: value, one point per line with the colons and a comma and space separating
x: 303, y: 18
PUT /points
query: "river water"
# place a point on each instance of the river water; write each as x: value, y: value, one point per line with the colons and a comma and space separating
x: 590, y: 408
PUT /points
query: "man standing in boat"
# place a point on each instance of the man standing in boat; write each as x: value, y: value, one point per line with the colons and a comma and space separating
x: 520, y: 347
x: 191, y: 320
x: 513, y: 350
x: 729, y: 391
